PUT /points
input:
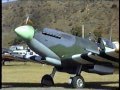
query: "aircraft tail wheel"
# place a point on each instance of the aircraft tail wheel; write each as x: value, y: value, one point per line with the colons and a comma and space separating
x: 78, y: 82
x: 47, y: 80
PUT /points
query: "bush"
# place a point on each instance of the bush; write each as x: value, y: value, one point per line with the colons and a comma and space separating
x: 16, y: 41
x: 77, y: 31
x: 97, y: 33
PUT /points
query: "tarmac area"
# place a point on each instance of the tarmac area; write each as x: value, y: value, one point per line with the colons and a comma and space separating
x: 27, y: 76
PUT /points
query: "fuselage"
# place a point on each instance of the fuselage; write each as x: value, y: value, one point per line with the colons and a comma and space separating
x: 62, y: 46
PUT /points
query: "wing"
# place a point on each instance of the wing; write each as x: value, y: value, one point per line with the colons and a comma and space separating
x: 92, y: 58
x: 99, y: 63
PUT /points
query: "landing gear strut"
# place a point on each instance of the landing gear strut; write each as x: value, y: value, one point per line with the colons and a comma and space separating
x: 78, y: 81
x: 47, y: 80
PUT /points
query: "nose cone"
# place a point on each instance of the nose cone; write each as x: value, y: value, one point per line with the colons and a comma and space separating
x: 26, y: 32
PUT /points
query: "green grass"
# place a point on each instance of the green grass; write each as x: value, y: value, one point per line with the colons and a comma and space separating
x: 29, y: 72
x: 19, y: 72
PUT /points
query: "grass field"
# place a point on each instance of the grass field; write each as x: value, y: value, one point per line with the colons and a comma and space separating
x: 20, y: 74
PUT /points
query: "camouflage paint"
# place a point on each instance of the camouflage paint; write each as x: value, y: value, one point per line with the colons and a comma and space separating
x: 66, y: 46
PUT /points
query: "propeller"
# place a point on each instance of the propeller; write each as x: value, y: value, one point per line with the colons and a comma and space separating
x: 26, y: 31
x: 28, y: 21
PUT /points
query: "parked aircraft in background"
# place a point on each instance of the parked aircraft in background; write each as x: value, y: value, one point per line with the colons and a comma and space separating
x: 16, y: 47
x: 17, y: 52
x: 6, y: 55
x: 70, y: 54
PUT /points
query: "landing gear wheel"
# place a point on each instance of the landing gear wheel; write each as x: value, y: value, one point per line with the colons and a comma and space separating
x: 77, y: 82
x: 47, y: 80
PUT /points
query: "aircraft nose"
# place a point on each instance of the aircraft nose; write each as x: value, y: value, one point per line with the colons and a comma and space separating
x: 26, y: 32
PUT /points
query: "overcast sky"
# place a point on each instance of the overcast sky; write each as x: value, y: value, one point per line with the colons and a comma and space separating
x: 4, y: 1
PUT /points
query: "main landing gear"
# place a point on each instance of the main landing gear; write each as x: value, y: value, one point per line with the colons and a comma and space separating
x: 77, y: 81
x: 47, y: 80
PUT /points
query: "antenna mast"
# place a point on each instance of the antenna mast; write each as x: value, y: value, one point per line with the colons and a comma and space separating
x: 110, y: 34
x: 83, y: 31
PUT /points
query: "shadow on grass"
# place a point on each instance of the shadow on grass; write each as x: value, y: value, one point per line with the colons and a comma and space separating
x: 91, y: 85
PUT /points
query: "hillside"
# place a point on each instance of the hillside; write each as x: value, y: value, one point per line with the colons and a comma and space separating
x: 64, y: 15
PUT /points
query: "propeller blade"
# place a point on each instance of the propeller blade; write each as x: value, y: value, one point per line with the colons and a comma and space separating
x: 27, y: 20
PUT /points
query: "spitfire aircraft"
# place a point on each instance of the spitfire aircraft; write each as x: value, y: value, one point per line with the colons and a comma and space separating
x: 70, y: 54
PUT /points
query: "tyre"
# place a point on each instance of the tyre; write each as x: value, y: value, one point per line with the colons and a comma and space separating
x: 77, y: 82
x: 47, y: 80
